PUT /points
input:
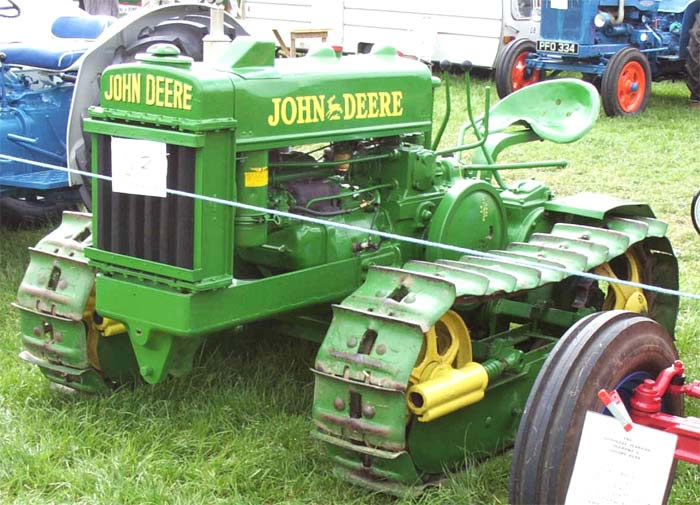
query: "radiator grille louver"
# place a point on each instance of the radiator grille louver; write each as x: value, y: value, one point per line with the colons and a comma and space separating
x: 148, y: 227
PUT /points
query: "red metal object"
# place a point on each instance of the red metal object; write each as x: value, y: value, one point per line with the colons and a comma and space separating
x: 645, y: 409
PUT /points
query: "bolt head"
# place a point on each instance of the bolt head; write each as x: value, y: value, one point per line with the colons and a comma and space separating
x: 368, y: 411
x: 352, y: 342
x: 339, y: 404
x: 381, y: 349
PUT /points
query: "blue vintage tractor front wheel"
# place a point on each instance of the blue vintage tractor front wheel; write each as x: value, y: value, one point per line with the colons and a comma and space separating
x: 511, y: 72
x: 626, y: 83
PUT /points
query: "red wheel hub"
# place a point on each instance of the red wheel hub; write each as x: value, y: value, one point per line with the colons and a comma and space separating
x: 631, y: 87
x: 521, y: 76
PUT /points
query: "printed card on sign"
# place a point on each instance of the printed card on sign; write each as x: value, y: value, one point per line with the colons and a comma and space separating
x: 560, y: 4
x: 618, y: 467
x: 139, y: 167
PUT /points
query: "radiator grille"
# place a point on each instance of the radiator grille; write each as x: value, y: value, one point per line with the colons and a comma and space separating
x: 148, y: 227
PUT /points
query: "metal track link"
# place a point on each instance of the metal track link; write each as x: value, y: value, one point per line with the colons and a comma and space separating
x: 54, y: 300
x: 363, y: 367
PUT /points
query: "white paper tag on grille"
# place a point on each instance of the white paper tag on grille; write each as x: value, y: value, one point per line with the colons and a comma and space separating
x: 616, y: 467
x: 560, y: 4
x: 139, y: 167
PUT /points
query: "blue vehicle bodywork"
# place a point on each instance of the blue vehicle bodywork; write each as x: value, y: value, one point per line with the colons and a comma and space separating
x: 33, y: 119
x: 658, y: 28
x: 36, y: 89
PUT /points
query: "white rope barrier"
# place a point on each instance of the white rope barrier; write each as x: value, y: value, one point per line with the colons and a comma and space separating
x: 387, y: 235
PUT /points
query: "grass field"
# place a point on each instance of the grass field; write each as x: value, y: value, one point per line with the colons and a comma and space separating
x: 237, y: 429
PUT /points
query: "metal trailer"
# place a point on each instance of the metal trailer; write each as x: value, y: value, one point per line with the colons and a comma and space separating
x: 433, y: 31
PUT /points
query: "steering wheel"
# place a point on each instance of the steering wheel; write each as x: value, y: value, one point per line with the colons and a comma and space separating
x: 12, y: 7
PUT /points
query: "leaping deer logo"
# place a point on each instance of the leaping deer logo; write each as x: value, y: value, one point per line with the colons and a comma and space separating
x: 334, y: 110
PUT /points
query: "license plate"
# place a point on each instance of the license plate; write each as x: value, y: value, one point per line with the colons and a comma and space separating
x: 554, y: 46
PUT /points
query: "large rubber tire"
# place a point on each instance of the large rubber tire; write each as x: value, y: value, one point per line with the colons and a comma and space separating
x: 592, y: 79
x: 626, y: 83
x: 599, y: 351
x: 186, y: 34
x: 511, y: 73
x: 692, y: 62
x: 695, y: 211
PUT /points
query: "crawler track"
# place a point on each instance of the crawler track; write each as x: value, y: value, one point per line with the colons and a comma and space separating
x: 363, y: 369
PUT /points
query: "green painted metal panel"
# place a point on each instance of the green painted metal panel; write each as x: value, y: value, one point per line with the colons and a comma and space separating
x: 525, y: 277
x: 415, y: 298
x: 466, y: 283
x: 616, y: 242
x: 322, y: 97
x: 498, y: 280
x: 595, y: 253
x: 140, y: 132
x: 596, y: 206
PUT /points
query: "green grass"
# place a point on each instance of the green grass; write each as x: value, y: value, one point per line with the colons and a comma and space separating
x: 237, y: 429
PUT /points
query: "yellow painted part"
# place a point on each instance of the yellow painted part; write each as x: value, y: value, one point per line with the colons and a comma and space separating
x: 92, y: 333
x: 448, y: 390
x: 445, y: 378
x: 625, y: 297
x: 110, y: 327
x: 106, y: 328
x: 446, y: 343
x: 256, y: 177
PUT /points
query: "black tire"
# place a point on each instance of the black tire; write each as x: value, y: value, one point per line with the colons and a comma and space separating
x: 619, y: 98
x: 186, y: 34
x: 597, y: 352
x: 594, y: 79
x: 692, y: 62
x: 30, y: 213
x: 695, y: 211
x: 509, y: 73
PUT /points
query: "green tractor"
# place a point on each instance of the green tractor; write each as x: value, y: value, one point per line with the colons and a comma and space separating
x: 438, y: 294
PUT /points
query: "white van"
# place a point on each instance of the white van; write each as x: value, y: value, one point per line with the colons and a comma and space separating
x: 436, y: 30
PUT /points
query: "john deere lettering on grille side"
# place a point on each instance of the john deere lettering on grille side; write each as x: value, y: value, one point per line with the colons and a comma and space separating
x: 149, y: 90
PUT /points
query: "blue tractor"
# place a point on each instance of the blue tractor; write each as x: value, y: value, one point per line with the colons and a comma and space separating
x: 36, y: 87
x: 47, y: 85
x: 620, y: 46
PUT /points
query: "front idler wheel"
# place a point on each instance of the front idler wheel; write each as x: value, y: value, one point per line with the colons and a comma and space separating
x: 512, y: 73
x: 626, y: 83
x: 611, y: 350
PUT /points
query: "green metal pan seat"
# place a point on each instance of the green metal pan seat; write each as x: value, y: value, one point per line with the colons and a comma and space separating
x: 560, y: 110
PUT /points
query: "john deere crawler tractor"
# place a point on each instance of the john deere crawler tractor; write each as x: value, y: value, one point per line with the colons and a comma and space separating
x: 426, y: 353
